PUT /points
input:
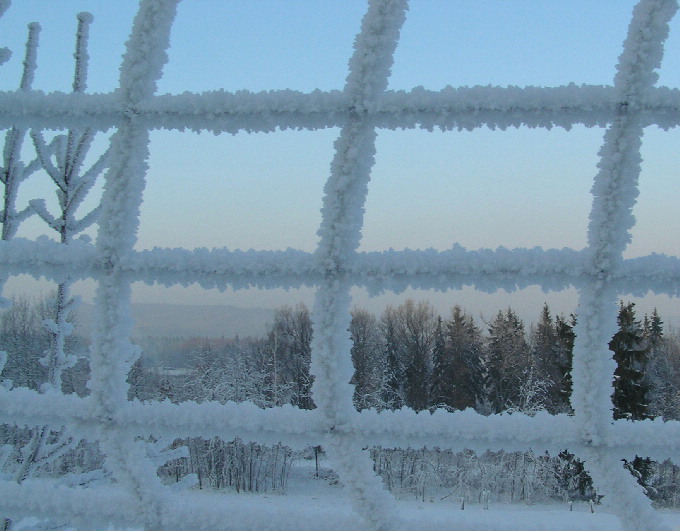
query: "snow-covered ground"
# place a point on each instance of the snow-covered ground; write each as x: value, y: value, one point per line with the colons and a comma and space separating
x: 313, y: 504
x: 332, y: 510
x: 322, y: 511
x: 323, y: 497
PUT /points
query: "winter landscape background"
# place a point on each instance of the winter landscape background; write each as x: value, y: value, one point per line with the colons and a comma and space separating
x: 517, y: 350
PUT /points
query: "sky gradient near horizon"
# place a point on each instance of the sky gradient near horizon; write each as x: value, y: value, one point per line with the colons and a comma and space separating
x: 481, y: 189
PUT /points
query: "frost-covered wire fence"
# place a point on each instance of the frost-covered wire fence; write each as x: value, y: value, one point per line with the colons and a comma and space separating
x: 363, y: 106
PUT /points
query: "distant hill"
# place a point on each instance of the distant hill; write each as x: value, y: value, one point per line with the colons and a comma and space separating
x: 184, y: 320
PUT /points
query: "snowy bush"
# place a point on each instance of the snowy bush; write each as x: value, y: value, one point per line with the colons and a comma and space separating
x: 138, y: 497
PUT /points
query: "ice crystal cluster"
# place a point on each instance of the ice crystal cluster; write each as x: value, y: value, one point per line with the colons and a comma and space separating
x: 599, y: 272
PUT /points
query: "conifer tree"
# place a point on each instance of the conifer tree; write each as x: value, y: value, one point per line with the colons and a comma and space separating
x: 508, y: 360
x: 544, y: 351
x: 663, y: 369
x: 631, y: 354
x: 652, y: 331
x: 457, y: 376
x: 564, y: 361
x: 471, y: 354
x: 418, y: 338
x: 552, y: 346
x: 393, y: 391
x: 443, y: 371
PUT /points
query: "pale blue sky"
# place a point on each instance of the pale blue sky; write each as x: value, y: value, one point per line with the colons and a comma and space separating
x: 516, y: 188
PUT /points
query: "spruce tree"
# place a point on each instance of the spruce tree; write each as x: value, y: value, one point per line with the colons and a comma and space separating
x: 464, y: 340
x: 508, y: 360
x: 544, y: 352
x: 552, y: 350
x: 418, y: 338
x: 631, y: 356
x: 652, y: 331
x: 564, y: 360
x: 443, y: 371
x: 393, y: 390
x: 631, y: 386
x: 663, y: 369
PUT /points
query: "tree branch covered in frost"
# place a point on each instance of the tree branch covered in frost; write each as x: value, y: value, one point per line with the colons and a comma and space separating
x: 72, y: 186
x: 82, y: 37
x: 48, y: 443
x: 13, y: 171
x: 5, y: 53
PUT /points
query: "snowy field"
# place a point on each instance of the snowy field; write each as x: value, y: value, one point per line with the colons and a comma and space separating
x: 324, y: 502
x: 312, y: 503
x: 333, y: 508
x: 336, y: 514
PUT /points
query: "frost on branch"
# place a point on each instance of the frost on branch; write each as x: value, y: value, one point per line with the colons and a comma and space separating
x: 5, y: 53
x: 13, y: 171
x: 62, y: 161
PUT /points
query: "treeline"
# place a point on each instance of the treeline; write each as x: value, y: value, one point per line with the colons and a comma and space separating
x: 408, y: 356
x: 411, y: 356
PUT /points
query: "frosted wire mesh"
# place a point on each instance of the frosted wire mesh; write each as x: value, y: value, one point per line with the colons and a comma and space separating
x: 364, y: 105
